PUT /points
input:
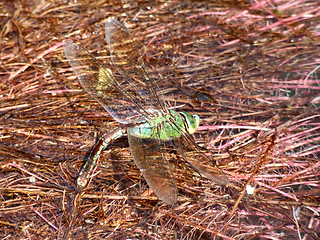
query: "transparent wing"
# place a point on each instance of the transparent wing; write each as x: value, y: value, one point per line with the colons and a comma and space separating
x: 195, y: 156
x: 149, y: 156
x: 128, y: 62
x: 100, y: 83
x: 127, y: 92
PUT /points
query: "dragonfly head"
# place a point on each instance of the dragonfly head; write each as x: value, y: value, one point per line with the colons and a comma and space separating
x: 192, y: 121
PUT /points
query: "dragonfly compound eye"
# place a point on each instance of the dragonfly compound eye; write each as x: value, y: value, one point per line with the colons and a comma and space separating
x: 191, y: 121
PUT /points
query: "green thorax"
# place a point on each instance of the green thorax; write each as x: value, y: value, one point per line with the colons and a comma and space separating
x: 166, y: 127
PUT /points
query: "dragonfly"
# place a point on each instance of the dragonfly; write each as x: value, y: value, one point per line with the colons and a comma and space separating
x: 133, y: 98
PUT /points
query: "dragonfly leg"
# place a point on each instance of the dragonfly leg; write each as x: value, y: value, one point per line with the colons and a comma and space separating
x: 94, y: 156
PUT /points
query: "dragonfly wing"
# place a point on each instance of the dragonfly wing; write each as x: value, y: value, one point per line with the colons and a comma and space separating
x: 148, y: 155
x: 101, y: 84
x: 195, y: 156
x: 128, y: 62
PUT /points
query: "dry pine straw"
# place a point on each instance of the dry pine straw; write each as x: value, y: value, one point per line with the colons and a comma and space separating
x: 250, y: 70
